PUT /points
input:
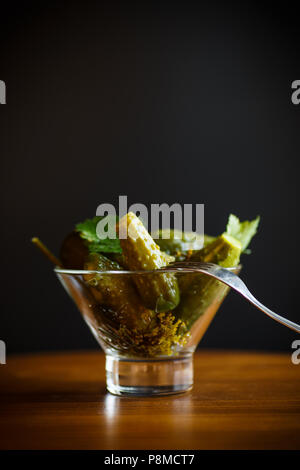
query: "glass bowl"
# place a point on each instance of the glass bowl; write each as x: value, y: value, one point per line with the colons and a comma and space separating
x: 148, y: 352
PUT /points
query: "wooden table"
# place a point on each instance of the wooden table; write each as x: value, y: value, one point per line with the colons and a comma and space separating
x: 240, y: 401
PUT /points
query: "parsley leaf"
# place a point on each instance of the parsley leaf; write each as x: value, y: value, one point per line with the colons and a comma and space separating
x: 87, y: 231
x: 242, y: 231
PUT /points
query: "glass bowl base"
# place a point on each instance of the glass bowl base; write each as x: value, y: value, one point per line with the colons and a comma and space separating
x: 149, y: 377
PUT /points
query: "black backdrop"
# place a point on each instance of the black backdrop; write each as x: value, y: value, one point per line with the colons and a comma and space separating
x: 163, y: 102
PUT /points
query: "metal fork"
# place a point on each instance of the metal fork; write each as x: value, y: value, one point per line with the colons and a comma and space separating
x: 232, y: 280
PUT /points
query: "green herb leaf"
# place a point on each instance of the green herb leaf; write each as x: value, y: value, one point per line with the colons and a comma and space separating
x: 242, y: 231
x: 87, y: 231
x: 105, y: 246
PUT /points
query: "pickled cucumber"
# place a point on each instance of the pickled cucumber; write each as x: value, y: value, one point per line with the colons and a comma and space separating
x: 208, y: 239
x: 177, y: 243
x: 117, y: 292
x: 199, y: 290
x: 158, y: 291
x: 224, y: 251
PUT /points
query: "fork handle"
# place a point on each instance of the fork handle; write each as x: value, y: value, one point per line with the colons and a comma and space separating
x: 275, y: 316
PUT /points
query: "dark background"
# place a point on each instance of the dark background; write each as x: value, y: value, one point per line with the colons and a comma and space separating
x: 163, y: 102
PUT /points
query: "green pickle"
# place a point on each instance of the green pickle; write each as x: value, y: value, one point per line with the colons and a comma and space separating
x: 136, y: 330
x: 177, y: 243
x: 208, y: 239
x: 198, y: 291
x: 117, y: 292
x: 198, y: 297
x: 224, y: 251
x: 158, y: 292
x: 151, y: 314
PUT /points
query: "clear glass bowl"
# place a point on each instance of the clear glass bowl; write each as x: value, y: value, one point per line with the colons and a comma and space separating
x: 147, y: 352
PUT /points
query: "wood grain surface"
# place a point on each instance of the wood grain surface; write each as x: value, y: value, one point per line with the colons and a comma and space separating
x: 240, y: 401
